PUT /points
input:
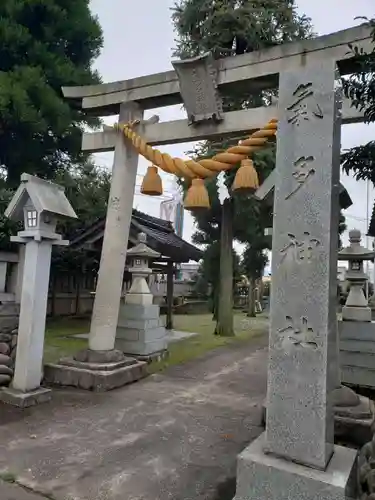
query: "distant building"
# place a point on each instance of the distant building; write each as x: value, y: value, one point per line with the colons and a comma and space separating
x: 188, y: 271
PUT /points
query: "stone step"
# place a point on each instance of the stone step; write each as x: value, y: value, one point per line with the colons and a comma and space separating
x: 359, y: 346
x: 358, y: 376
x: 358, y: 359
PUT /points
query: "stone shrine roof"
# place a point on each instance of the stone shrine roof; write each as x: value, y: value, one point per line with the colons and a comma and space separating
x: 160, y: 237
x: 44, y: 195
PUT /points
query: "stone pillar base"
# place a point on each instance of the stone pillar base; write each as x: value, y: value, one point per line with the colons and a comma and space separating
x: 354, y: 416
x: 95, y: 371
x: 21, y: 399
x: 140, y: 330
x: 152, y: 358
x: 357, y: 353
x: 265, y: 477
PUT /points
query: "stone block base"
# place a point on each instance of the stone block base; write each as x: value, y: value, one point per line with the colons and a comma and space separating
x: 155, y: 357
x: 140, y: 347
x: 265, y: 477
x: 140, y: 330
x: 357, y: 353
x: 356, y: 313
x: 353, y: 423
x: 25, y: 399
x: 353, y: 431
x: 98, y: 377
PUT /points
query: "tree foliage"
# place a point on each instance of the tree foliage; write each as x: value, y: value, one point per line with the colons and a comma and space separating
x: 87, y: 188
x: 47, y: 44
x: 231, y: 28
x: 44, y: 45
x: 360, y: 88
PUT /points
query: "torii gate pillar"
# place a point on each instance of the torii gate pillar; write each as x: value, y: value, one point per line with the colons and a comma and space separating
x: 101, y: 367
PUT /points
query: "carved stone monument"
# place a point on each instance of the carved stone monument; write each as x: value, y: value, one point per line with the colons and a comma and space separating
x: 140, y: 330
x: 296, y: 457
x: 198, y: 88
x: 39, y: 204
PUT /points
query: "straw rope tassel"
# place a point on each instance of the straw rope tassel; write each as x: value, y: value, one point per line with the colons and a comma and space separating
x: 152, y: 184
x: 197, y: 196
x: 246, y: 179
x: 190, y: 169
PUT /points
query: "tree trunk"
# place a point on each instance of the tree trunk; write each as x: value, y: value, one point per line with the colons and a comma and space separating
x: 78, y: 293
x: 224, y: 326
x: 215, y: 303
x: 251, y: 298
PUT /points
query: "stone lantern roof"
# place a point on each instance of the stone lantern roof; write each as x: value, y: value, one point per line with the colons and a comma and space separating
x: 355, y: 251
x: 141, y: 250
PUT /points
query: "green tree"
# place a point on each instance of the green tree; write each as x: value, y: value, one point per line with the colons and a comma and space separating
x: 87, y: 188
x: 44, y: 45
x: 230, y: 28
x: 360, y: 88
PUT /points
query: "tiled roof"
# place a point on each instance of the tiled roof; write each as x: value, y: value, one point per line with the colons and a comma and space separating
x: 160, y: 237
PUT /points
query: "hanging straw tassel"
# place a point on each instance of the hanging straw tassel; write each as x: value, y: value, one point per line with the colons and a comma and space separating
x: 197, y: 196
x: 246, y: 179
x: 151, y: 183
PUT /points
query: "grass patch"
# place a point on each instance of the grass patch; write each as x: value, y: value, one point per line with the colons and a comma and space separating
x: 202, y: 324
x: 8, y: 477
x: 59, y: 341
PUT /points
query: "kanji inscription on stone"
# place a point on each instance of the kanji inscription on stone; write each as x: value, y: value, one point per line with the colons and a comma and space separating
x: 298, y: 333
x: 299, y: 250
x: 303, y: 106
x: 301, y: 173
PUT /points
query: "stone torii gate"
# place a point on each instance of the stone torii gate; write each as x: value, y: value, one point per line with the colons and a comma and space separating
x: 297, y: 446
x: 129, y: 98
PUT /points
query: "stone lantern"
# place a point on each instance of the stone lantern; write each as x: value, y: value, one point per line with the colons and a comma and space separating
x: 356, y: 307
x: 140, y: 257
x: 140, y: 331
x: 39, y: 204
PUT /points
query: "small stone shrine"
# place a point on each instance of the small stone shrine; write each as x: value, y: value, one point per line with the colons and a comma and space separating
x: 140, y: 330
x: 357, y: 331
x: 39, y: 204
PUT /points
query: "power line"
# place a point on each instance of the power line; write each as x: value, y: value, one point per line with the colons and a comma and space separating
x: 355, y: 217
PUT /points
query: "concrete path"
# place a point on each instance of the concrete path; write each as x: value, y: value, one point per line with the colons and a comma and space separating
x: 14, y: 492
x: 171, y: 436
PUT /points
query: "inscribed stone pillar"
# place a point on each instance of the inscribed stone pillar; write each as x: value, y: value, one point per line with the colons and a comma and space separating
x: 299, y: 425
x: 112, y: 263
x: 28, y: 370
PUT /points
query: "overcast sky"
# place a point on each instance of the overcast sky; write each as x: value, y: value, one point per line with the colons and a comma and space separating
x: 138, y: 40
